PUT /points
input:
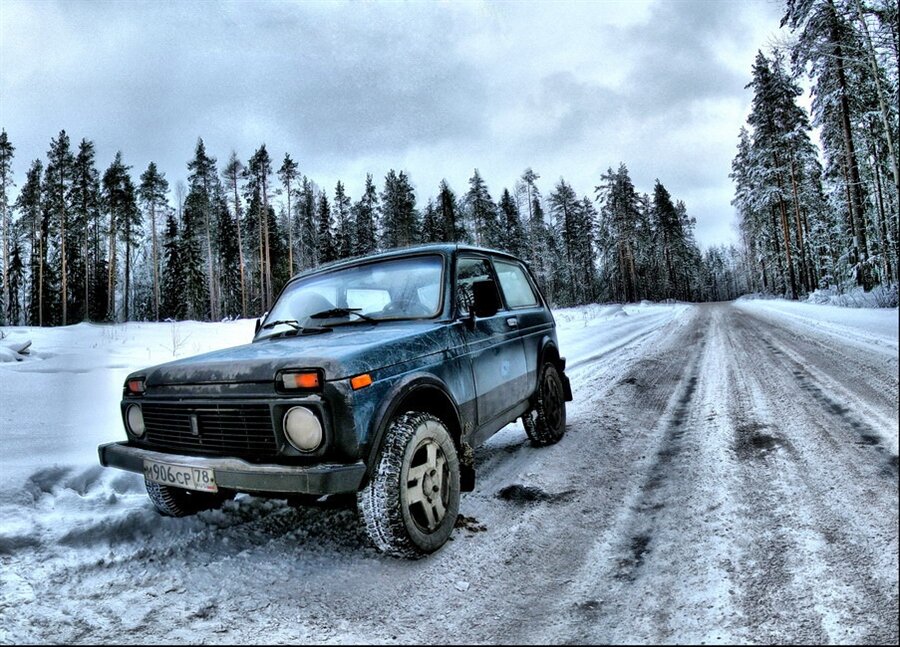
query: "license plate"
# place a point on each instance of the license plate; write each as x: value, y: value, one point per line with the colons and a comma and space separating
x: 190, y: 478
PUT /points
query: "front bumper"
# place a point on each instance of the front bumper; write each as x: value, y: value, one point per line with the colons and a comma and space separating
x: 236, y: 474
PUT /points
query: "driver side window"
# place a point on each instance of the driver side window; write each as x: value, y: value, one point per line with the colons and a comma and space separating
x: 469, y: 270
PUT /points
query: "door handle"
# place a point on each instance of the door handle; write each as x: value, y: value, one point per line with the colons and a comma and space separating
x: 512, y: 322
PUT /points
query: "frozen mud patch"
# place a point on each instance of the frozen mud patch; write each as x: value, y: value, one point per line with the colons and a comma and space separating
x: 522, y: 494
x: 751, y: 443
x: 638, y: 549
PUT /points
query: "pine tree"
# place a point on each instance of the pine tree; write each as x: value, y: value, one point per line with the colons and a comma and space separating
x: 343, y: 239
x: 308, y: 244
x: 432, y: 232
x: 452, y: 227
x: 152, y: 193
x: 6, y: 183
x: 365, y: 216
x: 16, y: 278
x: 57, y: 185
x: 398, y: 207
x: 32, y: 219
x: 288, y: 175
x: 233, y: 172
x: 85, y: 199
x: 325, y: 232
x: 619, y: 231
x: 259, y: 171
x: 203, y: 191
x: 173, y: 304
x: 513, y: 235
x: 119, y: 199
x: 483, y: 212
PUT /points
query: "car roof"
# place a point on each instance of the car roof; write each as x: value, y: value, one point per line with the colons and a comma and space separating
x: 445, y: 249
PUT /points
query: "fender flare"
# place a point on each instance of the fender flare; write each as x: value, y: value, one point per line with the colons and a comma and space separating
x: 391, y: 405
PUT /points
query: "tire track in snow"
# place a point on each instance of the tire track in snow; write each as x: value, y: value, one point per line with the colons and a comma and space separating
x: 816, y: 502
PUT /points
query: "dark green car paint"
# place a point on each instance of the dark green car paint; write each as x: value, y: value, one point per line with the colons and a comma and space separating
x: 477, y: 375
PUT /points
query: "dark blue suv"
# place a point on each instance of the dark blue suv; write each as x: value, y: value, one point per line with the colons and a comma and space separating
x: 374, y: 376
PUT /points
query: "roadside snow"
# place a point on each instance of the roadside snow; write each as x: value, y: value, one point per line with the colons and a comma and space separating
x: 61, y: 400
x: 871, y: 326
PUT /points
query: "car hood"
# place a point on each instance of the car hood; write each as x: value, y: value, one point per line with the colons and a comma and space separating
x: 342, y: 353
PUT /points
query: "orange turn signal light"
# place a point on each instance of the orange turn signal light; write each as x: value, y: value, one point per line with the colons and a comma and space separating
x: 136, y: 386
x: 305, y: 380
x: 360, y: 381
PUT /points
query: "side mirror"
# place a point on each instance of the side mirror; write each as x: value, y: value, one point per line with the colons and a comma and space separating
x: 259, y: 322
x: 486, y: 297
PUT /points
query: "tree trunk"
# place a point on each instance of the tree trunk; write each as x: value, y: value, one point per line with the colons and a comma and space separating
x: 62, y: 246
x: 111, y: 280
x: 237, y: 219
x: 155, y: 255
x: 856, y: 200
x: 127, y: 294
x: 804, y: 276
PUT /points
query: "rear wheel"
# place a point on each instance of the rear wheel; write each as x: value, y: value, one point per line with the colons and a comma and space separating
x: 545, y: 423
x: 178, y: 502
x: 410, y: 505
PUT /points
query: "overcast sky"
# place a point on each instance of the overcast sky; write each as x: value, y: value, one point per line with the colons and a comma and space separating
x: 437, y: 89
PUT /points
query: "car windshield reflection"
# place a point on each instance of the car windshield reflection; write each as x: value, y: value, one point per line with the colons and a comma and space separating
x: 393, y: 289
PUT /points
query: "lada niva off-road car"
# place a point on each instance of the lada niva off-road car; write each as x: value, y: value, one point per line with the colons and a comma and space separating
x: 375, y: 377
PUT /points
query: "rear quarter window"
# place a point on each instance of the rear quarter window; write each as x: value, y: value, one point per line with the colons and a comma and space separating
x: 515, y: 284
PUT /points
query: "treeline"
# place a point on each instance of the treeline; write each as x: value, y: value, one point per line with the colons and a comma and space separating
x: 80, y: 245
x: 806, y: 225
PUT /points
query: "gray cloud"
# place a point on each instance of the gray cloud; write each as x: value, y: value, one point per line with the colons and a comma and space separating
x: 569, y: 89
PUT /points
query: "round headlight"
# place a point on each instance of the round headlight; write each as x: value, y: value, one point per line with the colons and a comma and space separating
x: 135, y: 420
x: 303, y: 429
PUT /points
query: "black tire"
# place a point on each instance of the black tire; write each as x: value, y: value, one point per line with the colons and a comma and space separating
x: 545, y: 423
x: 409, y: 506
x: 178, y: 502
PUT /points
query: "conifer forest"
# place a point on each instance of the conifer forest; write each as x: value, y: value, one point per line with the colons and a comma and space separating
x: 815, y: 193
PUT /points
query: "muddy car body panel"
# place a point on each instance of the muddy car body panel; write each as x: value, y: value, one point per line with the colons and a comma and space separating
x: 471, y: 361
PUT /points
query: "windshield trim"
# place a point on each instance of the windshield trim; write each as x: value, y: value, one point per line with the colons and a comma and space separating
x: 370, y: 261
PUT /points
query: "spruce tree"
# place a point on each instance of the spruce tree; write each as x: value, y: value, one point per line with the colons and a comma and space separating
x: 288, y: 175
x: 327, y: 251
x: 152, y: 193
x: 86, y: 262
x: 7, y: 151
x: 57, y: 185
x: 365, y: 217
x: 343, y: 238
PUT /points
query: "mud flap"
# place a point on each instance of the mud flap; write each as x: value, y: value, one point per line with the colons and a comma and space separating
x: 467, y: 469
x: 567, y: 388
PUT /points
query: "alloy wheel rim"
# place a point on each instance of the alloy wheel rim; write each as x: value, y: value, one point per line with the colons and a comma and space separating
x: 427, y: 486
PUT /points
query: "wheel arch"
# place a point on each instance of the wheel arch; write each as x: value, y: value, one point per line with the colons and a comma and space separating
x: 425, y: 393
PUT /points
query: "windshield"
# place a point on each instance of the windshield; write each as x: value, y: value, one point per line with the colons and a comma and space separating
x: 404, y: 288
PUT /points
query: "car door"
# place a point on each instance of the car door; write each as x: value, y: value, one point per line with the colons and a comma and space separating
x: 494, y: 345
x: 534, y: 320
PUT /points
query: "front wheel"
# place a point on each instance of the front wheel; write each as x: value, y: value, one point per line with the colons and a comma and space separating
x: 545, y: 423
x: 410, y: 504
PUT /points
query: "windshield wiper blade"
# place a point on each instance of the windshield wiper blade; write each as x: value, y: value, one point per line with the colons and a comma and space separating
x: 296, y: 328
x: 341, y: 312
x: 293, y: 323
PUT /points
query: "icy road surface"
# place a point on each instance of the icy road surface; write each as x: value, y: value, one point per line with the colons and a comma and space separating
x: 729, y: 475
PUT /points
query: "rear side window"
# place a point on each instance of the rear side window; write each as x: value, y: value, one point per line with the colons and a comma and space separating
x: 516, y: 287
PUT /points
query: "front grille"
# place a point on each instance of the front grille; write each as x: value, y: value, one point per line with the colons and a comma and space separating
x: 223, y: 429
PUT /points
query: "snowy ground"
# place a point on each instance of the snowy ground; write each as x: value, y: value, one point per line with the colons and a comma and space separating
x: 729, y: 474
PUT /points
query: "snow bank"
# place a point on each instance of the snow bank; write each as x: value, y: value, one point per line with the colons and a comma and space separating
x: 62, y: 401
x: 871, y: 326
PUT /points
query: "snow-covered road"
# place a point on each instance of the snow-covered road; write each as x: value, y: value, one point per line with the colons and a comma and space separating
x: 729, y: 474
